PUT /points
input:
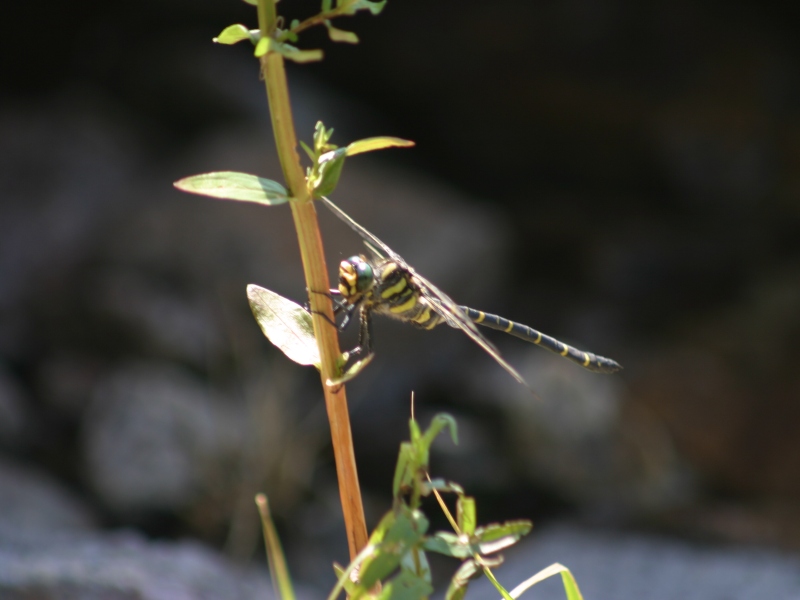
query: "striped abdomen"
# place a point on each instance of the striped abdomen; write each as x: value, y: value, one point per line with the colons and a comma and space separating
x: 587, y: 360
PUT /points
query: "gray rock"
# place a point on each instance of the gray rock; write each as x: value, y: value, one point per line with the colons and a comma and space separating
x: 583, y: 438
x: 177, y: 325
x: 48, y: 565
x: 155, y: 437
x: 614, y: 566
x: 31, y: 499
x: 55, y: 202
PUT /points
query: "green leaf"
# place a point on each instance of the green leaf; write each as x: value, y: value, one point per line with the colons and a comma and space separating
x: 352, y: 370
x: 263, y: 46
x: 466, y: 515
x: 279, y: 570
x: 468, y: 571
x: 233, y: 34
x: 405, y: 586
x: 414, y: 430
x: 329, y: 171
x: 351, y: 7
x: 230, y: 185
x: 396, y: 534
x: 321, y: 138
x: 403, y: 473
x: 449, y: 544
x: 439, y: 422
x: 286, y: 324
x: 308, y: 151
x: 376, y: 143
x: 570, y: 585
x: 253, y: 2
x: 440, y: 485
x: 340, y: 35
x: 295, y: 54
x: 288, y: 34
x: 416, y: 562
x: 348, y: 584
x: 498, y: 536
x: 355, y: 589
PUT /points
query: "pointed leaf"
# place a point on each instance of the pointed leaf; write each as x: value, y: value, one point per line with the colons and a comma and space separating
x: 322, y: 138
x: 498, y: 536
x: 352, y: 370
x: 330, y: 169
x: 402, y: 474
x: 347, y: 576
x: 295, y: 54
x: 353, y: 6
x: 348, y: 584
x: 286, y: 324
x: 377, y: 143
x: 340, y: 35
x: 468, y: 571
x: 264, y: 45
x: 233, y: 34
x: 278, y: 568
x: 230, y: 185
x: 309, y: 152
x: 395, y: 536
x: 570, y: 585
x: 439, y: 422
x: 449, y: 544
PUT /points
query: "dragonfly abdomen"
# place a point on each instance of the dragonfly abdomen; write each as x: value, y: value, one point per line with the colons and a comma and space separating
x: 587, y: 360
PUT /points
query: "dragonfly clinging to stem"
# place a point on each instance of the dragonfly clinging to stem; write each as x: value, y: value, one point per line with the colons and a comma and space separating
x: 386, y: 284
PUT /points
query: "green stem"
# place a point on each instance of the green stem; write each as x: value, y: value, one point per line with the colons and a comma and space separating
x: 316, y: 273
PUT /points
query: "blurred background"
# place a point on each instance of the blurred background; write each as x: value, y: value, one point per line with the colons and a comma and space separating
x: 621, y: 175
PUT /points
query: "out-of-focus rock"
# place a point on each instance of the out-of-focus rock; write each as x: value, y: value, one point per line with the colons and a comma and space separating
x: 55, y: 565
x: 31, y: 499
x: 629, y: 567
x: 581, y: 436
x: 157, y: 438
x: 55, y: 201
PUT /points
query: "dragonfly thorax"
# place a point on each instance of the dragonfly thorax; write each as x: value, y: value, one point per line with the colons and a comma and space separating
x: 356, y: 277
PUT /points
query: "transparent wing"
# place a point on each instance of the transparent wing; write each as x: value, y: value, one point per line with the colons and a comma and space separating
x: 371, y: 241
x: 455, y: 317
x: 439, y: 301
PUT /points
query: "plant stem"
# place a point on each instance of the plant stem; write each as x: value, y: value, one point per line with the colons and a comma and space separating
x: 316, y: 273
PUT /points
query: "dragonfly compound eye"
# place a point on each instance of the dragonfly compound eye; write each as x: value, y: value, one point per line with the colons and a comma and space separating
x: 355, y: 276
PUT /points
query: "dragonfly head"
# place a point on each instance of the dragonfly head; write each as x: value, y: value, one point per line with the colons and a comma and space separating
x: 356, y: 277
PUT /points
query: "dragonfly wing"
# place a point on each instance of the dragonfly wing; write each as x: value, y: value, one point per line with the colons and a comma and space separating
x: 375, y: 250
x: 370, y: 240
x: 440, y: 302
x: 455, y: 317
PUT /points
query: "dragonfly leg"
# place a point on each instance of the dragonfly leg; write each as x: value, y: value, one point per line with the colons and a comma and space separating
x: 364, y: 349
x: 339, y: 305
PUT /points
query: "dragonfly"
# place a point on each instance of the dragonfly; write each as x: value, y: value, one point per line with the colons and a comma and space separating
x: 385, y: 284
